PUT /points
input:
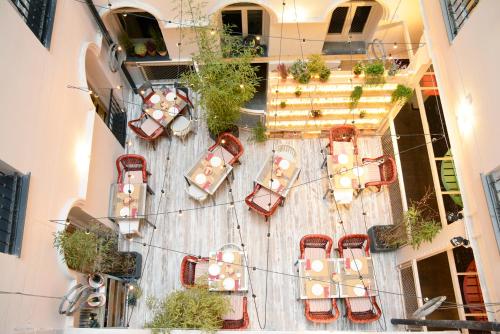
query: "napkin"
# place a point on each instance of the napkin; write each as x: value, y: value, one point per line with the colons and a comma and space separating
x: 209, y: 156
x: 326, y: 291
x: 219, y: 256
x: 308, y: 264
x: 236, y: 285
x: 206, y: 185
x: 134, y: 212
x: 348, y: 263
x: 278, y: 160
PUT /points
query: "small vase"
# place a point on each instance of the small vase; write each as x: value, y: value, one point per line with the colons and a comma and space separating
x: 162, y: 53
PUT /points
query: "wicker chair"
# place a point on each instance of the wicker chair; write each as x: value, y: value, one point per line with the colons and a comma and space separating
x: 354, y: 241
x: 132, y: 168
x: 188, y: 269
x: 286, y: 151
x: 322, y: 316
x: 146, y: 91
x: 146, y: 128
x: 263, y: 201
x: 228, y: 147
x: 238, y: 323
x: 343, y: 133
x: 315, y: 241
x: 362, y: 310
x: 387, y: 170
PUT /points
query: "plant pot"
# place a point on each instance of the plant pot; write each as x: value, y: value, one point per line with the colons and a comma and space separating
x: 96, y: 280
x: 135, y: 270
x: 162, y: 53
x: 152, y: 53
x: 376, y: 245
x: 234, y: 130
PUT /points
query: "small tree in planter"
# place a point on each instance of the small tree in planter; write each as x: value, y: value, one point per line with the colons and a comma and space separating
x: 419, y: 224
x: 223, y: 85
x: 374, y: 73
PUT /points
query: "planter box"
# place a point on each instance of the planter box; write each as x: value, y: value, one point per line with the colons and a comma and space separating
x: 376, y: 246
x: 135, y: 272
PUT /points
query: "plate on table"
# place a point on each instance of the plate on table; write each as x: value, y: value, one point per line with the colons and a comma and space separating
x: 214, y: 269
x: 358, y: 171
x: 345, y: 181
x: 173, y: 111
x: 157, y: 114
x: 124, y: 212
x: 228, y: 257
x: 275, y: 184
x: 317, y: 289
x: 359, y: 290
x: 317, y: 265
x: 215, y: 162
x: 200, y: 178
x: 284, y: 164
x: 356, y: 265
x: 228, y: 283
x: 343, y: 158
x: 128, y: 188
x: 170, y: 97
x: 155, y: 98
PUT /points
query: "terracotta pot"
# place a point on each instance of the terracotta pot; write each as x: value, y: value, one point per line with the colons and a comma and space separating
x: 162, y: 53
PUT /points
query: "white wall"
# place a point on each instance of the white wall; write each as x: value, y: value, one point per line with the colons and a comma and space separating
x: 469, y: 67
x: 48, y: 130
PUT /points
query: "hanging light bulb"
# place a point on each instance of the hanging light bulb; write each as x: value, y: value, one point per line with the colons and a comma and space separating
x: 124, y: 14
x: 180, y: 213
x: 395, y: 46
x: 119, y: 48
x: 257, y: 38
x: 130, y: 142
x: 212, y: 32
x: 119, y: 87
x: 241, y: 86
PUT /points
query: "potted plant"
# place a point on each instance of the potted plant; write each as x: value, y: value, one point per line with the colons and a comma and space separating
x: 140, y: 49
x: 324, y: 74
x: 283, y: 104
x: 126, y: 43
x: 315, y: 113
x: 357, y: 69
x: 356, y: 94
x: 194, y: 308
x: 317, y: 67
x: 362, y: 114
x: 419, y: 224
x: 298, y: 91
x: 401, y: 94
x: 95, y: 250
x: 259, y: 133
x: 300, y: 72
x: 374, y: 73
x: 151, y: 47
x: 223, y: 85
x: 134, y: 293
x: 161, y: 48
x: 282, y: 71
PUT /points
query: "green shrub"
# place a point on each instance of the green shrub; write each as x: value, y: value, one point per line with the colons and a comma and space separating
x: 126, y: 43
x: 298, y: 91
x: 358, y: 68
x: 283, y: 104
x: 259, y: 133
x: 158, y: 39
x: 317, y: 66
x: 401, y: 94
x: 374, y: 73
x: 140, y: 49
x: 356, y: 96
x: 324, y: 75
x: 300, y: 72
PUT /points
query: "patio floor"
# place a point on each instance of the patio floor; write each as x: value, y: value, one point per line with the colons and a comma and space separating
x: 200, y: 231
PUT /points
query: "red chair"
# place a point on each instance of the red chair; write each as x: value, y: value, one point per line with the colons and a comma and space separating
x: 192, y: 268
x: 263, y: 201
x: 228, y: 148
x: 358, y: 242
x: 473, y: 294
x: 146, y: 128
x: 321, y: 311
x: 360, y: 309
x: 132, y: 168
x: 237, y: 319
x: 344, y: 133
x: 146, y: 91
x: 386, y: 169
x: 315, y: 241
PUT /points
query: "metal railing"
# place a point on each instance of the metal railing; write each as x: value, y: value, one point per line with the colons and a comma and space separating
x: 457, y: 13
x: 39, y: 16
x: 116, y: 119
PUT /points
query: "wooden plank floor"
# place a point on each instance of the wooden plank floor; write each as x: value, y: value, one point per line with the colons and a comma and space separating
x: 201, y: 231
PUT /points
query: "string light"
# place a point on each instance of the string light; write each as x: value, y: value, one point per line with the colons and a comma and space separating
x: 180, y: 213
x: 395, y: 46
x: 124, y: 14
x: 119, y: 48
x: 212, y: 32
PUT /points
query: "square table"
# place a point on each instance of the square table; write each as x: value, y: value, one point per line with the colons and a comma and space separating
x: 317, y: 283
x: 284, y: 173
x: 351, y: 285
x: 227, y: 271
x: 208, y: 172
x: 127, y: 204
x: 170, y: 104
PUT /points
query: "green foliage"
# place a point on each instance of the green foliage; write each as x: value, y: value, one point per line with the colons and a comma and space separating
x: 358, y: 68
x: 374, y: 73
x: 315, y: 113
x: 300, y: 72
x: 401, y: 94
x: 317, y: 66
x: 134, y: 294
x: 126, y: 43
x: 259, y: 133
x: 298, y: 91
x: 282, y: 70
x: 420, y: 224
x: 140, y: 49
x: 223, y: 85
x: 158, y: 39
x: 356, y: 96
x: 194, y: 308
x: 283, y: 104
x: 362, y: 114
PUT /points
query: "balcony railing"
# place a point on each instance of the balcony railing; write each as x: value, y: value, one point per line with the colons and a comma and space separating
x: 457, y: 12
x: 116, y: 119
x: 39, y: 16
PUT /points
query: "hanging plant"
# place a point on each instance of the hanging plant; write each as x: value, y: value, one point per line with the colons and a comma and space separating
x: 283, y: 104
x: 374, y: 73
x: 315, y: 113
x: 298, y: 91
x: 362, y: 114
x: 401, y: 94
x: 259, y: 133
x: 300, y: 72
x: 357, y: 69
x: 355, y: 96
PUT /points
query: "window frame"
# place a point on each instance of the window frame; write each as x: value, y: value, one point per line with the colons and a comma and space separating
x: 450, y: 22
x: 493, y: 201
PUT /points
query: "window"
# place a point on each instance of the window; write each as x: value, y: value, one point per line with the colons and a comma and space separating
x: 244, y: 21
x: 232, y: 19
x: 491, y: 184
x: 338, y: 19
x: 39, y: 16
x: 360, y: 18
x: 138, y: 24
x: 13, y: 200
x: 254, y: 18
x: 456, y: 13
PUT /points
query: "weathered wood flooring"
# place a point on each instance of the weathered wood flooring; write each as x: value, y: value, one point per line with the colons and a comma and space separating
x: 200, y: 231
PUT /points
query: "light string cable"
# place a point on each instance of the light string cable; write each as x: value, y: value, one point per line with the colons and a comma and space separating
x: 255, y: 268
x: 241, y: 200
